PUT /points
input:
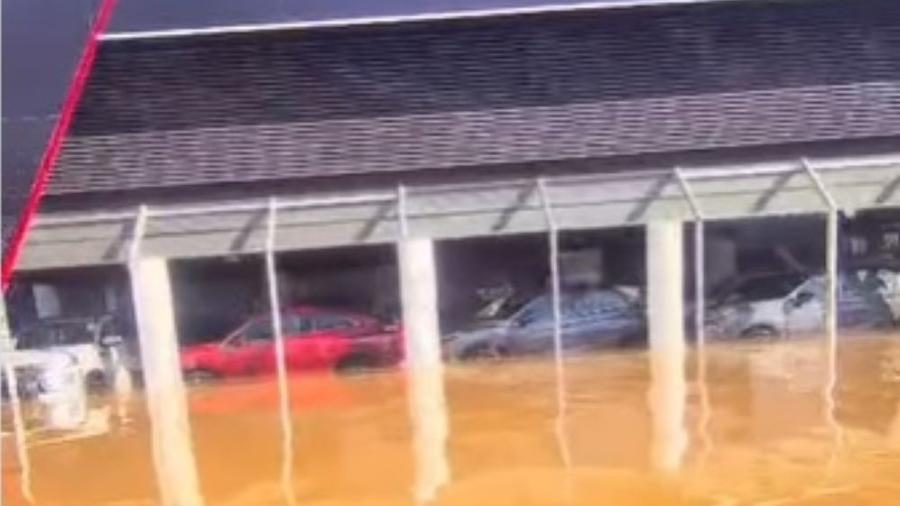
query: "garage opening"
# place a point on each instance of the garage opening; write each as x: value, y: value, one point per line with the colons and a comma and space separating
x: 339, y: 311
x: 497, y: 293
x: 85, y: 313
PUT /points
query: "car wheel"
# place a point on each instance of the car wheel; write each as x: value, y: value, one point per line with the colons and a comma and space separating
x: 356, y: 364
x: 760, y: 332
x: 199, y: 377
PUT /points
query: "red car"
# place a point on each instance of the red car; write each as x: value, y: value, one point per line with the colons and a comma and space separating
x: 314, y: 338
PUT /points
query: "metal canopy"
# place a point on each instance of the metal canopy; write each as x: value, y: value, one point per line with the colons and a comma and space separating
x: 456, y: 211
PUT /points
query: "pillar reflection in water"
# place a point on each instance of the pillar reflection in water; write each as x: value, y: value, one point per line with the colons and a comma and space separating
x: 704, y: 419
x: 173, y: 455
x: 425, y: 373
x: 892, y: 372
x: 668, y: 387
x: 123, y: 386
x: 21, y: 442
x: 831, y: 377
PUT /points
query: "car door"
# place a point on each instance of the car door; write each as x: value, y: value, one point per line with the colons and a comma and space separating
x: 805, y: 307
x: 531, y: 330
x: 248, y: 352
x: 598, y: 318
x: 300, y: 341
x: 334, y: 335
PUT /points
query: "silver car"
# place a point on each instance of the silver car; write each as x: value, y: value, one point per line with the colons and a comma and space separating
x: 591, y: 319
x: 784, y: 304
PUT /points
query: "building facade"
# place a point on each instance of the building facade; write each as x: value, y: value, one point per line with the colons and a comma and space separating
x: 442, y: 128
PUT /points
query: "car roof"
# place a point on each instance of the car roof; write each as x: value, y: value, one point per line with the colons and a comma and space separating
x: 312, y: 310
x: 569, y: 294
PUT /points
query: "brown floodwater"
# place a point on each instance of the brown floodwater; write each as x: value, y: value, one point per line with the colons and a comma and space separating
x: 769, y: 424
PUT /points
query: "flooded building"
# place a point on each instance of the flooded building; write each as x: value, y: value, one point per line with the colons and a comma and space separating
x: 439, y: 172
x: 462, y: 115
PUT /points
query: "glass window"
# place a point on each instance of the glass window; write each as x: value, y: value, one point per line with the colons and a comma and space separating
x: 815, y: 286
x: 56, y: 333
x: 538, y: 310
x: 333, y: 322
x: 293, y: 324
x: 259, y: 330
x: 766, y: 287
x: 606, y: 303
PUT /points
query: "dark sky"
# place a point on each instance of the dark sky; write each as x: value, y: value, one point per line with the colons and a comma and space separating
x: 42, y: 40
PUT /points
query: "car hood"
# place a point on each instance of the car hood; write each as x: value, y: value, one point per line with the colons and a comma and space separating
x: 26, y: 358
x: 200, y: 348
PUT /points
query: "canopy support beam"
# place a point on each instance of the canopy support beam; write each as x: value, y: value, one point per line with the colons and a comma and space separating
x: 831, y: 247
x: 284, y: 398
x: 559, y: 363
x: 699, y: 259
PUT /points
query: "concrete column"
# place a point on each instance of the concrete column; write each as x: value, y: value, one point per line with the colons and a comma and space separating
x: 8, y: 366
x: 173, y: 453
x: 665, y: 315
x: 427, y: 403
x: 418, y: 292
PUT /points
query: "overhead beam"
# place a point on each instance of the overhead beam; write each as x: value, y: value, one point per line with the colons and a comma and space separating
x: 468, y: 210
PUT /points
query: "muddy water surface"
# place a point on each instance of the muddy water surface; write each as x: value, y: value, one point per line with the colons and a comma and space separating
x: 764, y: 427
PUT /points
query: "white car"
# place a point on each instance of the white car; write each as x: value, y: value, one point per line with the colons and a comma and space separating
x: 780, y: 305
x: 53, y: 379
x: 89, y: 341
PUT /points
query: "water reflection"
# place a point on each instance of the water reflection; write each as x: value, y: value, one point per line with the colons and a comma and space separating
x: 774, y: 442
x: 666, y: 395
x: 704, y: 418
x: 428, y: 414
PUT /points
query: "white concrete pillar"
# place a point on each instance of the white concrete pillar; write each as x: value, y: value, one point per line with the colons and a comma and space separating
x: 173, y: 454
x: 8, y: 370
x: 418, y: 292
x: 427, y: 403
x: 665, y: 315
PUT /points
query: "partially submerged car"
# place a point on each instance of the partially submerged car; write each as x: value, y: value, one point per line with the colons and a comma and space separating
x: 94, y: 343
x: 52, y: 380
x: 785, y: 304
x: 314, y: 338
x: 589, y: 319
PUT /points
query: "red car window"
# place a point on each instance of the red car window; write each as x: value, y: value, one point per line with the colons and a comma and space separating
x: 259, y: 330
x: 294, y: 324
x: 291, y: 325
x: 333, y: 322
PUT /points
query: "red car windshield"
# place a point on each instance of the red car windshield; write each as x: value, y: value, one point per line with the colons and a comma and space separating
x: 293, y: 323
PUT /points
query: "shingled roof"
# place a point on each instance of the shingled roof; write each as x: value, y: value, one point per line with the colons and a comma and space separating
x: 189, y: 112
